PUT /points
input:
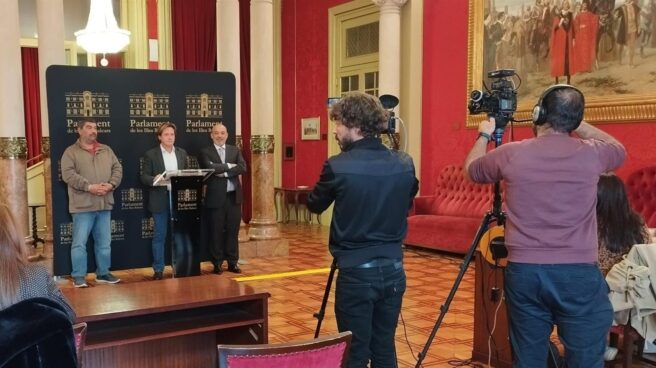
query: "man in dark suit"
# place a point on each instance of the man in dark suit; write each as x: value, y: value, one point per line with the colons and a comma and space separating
x: 222, y: 201
x: 165, y: 157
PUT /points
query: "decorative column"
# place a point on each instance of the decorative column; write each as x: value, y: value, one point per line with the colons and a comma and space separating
x: 263, y: 223
x: 228, y: 60
x: 13, y: 147
x: 50, y: 27
x: 389, y: 49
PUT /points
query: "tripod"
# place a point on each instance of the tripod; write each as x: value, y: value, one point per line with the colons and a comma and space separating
x: 494, y: 215
x: 322, y: 311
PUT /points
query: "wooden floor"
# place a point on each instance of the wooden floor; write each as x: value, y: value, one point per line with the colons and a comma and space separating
x: 294, y: 298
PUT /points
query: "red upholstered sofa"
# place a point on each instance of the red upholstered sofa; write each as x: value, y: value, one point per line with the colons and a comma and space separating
x: 449, y: 219
x: 641, y: 189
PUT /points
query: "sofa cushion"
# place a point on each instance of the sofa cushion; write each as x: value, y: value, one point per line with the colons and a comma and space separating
x: 448, y: 233
x: 641, y: 190
x: 457, y: 196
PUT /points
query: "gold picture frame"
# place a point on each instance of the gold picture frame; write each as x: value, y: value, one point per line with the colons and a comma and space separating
x: 622, y: 106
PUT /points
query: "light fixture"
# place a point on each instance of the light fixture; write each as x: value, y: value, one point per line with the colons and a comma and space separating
x: 102, y: 35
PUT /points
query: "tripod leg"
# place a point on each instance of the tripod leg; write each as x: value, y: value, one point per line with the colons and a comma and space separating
x: 463, y: 268
x: 319, y: 315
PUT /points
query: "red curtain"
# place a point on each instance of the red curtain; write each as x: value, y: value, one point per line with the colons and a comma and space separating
x: 194, y: 34
x: 245, y: 71
x: 31, y: 102
x: 114, y: 60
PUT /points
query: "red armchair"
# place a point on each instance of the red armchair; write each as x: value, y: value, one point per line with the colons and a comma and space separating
x: 641, y: 190
x: 449, y: 219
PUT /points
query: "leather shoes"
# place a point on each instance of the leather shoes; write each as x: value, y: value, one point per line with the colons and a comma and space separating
x: 234, y: 268
x: 217, y: 270
x: 158, y: 276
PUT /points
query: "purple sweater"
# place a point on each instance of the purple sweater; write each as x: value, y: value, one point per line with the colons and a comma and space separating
x: 550, y: 195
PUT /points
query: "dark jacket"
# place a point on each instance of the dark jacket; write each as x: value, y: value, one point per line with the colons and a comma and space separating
x: 372, y: 188
x: 215, y: 186
x: 36, y: 333
x: 153, y: 165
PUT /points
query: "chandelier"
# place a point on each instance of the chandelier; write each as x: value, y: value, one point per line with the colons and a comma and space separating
x: 102, y: 35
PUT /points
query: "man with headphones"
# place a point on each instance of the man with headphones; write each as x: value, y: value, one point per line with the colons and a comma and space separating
x: 551, y: 229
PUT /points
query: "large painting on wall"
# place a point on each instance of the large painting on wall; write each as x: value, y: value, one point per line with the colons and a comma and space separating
x: 606, y: 48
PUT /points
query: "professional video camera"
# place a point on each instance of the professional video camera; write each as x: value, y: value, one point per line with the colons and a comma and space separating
x: 500, y: 102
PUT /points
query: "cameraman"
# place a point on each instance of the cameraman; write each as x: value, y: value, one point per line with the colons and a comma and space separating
x: 372, y: 188
x: 551, y: 229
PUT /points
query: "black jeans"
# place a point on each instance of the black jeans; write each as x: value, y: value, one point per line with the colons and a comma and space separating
x: 368, y: 303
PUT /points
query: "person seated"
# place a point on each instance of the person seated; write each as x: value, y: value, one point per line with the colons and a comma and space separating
x: 619, y: 227
x: 22, y: 280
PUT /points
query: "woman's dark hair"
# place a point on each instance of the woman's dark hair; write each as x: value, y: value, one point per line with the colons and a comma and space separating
x: 618, y: 225
x: 360, y: 110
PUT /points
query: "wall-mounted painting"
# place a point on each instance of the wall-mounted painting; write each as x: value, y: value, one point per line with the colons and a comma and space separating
x: 606, y: 48
x: 310, y: 129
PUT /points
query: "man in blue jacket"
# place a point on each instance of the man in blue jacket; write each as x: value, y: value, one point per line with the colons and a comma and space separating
x: 373, y: 188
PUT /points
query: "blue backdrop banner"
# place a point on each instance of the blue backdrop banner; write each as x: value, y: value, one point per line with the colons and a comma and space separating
x: 128, y: 106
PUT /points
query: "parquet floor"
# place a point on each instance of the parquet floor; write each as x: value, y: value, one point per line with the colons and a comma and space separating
x: 294, y: 299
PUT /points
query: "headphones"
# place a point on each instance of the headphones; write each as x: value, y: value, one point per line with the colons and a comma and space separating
x: 540, y: 111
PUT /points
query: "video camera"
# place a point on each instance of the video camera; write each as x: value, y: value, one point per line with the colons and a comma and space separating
x: 500, y: 102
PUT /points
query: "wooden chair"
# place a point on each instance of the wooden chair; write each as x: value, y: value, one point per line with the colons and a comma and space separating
x: 325, y: 352
x: 80, y: 334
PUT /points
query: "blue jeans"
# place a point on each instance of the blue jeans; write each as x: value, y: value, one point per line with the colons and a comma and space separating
x: 574, y: 297
x: 368, y: 303
x: 97, y: 223
x: 161, y: 220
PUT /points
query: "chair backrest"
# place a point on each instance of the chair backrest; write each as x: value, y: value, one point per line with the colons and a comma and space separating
x: 457, y: 196
x: 36, y: 333
x: 641, y: 190
x: 325, y: 352
x: 80, y: 334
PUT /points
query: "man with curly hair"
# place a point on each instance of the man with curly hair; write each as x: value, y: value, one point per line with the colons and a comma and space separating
x: 372, y: 188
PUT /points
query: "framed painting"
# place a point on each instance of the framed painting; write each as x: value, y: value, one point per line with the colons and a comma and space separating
x: 605, y: 48
x: 310, y: 129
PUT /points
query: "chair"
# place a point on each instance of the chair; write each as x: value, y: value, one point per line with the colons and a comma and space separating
x: 641, y: 190
x: 632, y: 343
x: 325, y: 352
x: 80, y: 334
x: 36, y: 333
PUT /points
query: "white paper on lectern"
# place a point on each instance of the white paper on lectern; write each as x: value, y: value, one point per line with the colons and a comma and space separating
x: 161, y: 180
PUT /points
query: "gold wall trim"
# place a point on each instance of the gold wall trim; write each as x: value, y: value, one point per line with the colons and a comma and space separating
x: 616, y: 109
x: 261, y: 144
x: 13, y: 148
x: 45, y: 147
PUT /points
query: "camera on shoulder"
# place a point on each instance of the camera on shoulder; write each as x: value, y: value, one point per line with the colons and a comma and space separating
x: 500, y: 101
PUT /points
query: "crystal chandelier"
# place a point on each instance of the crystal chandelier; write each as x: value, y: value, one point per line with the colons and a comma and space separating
x: 102, y: 35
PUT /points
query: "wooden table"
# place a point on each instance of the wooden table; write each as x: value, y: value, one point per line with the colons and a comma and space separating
x: 286, y: 195
x: 168, y: 323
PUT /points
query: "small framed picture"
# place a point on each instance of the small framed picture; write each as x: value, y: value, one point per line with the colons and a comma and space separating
x: 310, y: 129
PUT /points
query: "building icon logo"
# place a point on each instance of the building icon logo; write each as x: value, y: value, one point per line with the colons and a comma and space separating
x: 132, y: 199
x: 147, y: 228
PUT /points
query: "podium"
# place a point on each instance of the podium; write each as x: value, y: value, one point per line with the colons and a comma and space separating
x: 185, y: 189
x: 484, y: 317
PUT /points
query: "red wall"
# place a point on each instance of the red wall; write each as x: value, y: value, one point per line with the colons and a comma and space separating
x: 444, y: 138
x: 304, y: 85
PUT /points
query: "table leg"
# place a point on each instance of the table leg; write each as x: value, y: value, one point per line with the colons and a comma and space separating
x: 35, y: 234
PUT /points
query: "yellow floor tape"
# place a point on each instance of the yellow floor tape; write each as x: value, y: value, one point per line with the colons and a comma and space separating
x: 283, y: 274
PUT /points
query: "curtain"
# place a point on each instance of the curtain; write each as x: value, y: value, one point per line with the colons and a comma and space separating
x: 114, y: 60
x: 245, y: 71
x: 194, y: 34
x: 31, y: 103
